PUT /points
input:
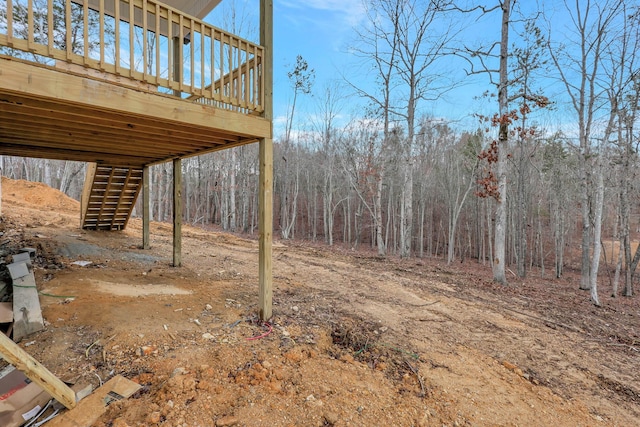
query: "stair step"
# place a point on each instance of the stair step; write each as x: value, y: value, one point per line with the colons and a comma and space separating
x: 112, y: 196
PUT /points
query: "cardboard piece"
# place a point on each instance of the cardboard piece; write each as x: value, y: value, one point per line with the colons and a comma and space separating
x: 6, y: 312
x: 20, y: 399
x: 36, y: 372
x: 87, y: 411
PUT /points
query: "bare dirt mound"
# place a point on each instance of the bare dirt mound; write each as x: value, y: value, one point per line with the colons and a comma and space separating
x: 355, y: 340
x: 36, y: 195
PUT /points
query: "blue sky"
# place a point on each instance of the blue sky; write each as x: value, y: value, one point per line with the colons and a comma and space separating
x: 322, y: 31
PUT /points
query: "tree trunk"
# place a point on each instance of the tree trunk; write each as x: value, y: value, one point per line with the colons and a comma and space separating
x: 597, y: 230
x: 406, y: 213
x: 521, y: 210
x: 585, y: 280
x: 382, y: 248
x: 616, y: 276
x: 232, y: 190
x: 503, y: 140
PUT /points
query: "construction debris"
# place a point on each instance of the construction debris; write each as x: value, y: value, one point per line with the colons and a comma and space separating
x: 21, y: 398
x: 27, y: 315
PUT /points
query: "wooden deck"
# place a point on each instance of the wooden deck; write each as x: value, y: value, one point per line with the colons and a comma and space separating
x: 125, y: 84
x: 80, y: 83
x: 48, y: 113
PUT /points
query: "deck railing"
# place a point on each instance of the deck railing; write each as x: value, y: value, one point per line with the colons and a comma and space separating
x: 165, y: 49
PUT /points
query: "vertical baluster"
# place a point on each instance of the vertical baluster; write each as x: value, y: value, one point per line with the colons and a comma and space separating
x: 230, y: 65
x: 132, y: 47
x: 85, y: 30
x: 180, y: 58
x: 212, y: 66
x: 246, y: 87
x: 261, y: 94
x: 157, y: 42
x: 171, y: 47
x: 50, y: 45
x: 222, y: 59
x: 117, y: 35
x: 254, y: 76
x: 239, y: 74
x: 145, y: 47
x: 102, y: 32
x: 234, y: 70
x: 30, y: 26
x: 192, y: 39
x: 202, y: 58
x: 68, y: 29
x: 10, y: 22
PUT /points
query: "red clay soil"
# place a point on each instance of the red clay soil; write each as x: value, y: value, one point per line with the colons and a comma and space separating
x: 355, y: 340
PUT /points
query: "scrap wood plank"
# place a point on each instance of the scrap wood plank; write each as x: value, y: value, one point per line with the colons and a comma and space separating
x: 27, y: 314
x: 36, y: 372
x: 88, y: 410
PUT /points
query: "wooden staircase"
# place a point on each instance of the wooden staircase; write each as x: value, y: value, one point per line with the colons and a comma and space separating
x: 109, y: 195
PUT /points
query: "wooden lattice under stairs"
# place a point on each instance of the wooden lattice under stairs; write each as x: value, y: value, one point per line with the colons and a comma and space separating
x: 109, y: 196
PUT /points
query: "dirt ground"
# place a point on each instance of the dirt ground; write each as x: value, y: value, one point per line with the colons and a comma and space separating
x: 355, y: 340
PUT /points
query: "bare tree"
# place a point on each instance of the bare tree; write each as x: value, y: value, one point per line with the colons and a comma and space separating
x: 301, y: 79
x: 579, y: 74
x: 495, y: 184
x: 329, y: 107
x: 597, y: 228
x: 379, y: 46
x: 403, y: 43
x: 623, y: 93
x: 460, y: 163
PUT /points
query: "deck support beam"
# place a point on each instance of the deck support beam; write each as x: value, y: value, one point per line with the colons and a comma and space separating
x: 265, y: 226
x: 146, y: 217
x: 265, y: 214
x: 177, y: 212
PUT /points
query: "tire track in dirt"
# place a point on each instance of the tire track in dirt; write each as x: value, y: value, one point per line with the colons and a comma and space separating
x: 443, y: 318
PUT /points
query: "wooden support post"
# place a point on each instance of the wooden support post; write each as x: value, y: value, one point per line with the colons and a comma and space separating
x: 37, y: 373
x: 265, y: 214
x: 177, y: 212
x: 146, y: 217
x: 265, y: 225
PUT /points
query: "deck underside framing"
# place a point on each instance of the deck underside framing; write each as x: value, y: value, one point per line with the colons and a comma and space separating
x: 52, y: 114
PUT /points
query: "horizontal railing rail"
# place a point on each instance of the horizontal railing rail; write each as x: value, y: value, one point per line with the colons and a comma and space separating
x: 161, y: 47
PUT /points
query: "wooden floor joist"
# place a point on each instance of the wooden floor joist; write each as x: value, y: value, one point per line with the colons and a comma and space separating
x: 46, y: 112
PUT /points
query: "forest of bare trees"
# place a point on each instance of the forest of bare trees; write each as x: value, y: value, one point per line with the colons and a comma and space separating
x: 515, y: 192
